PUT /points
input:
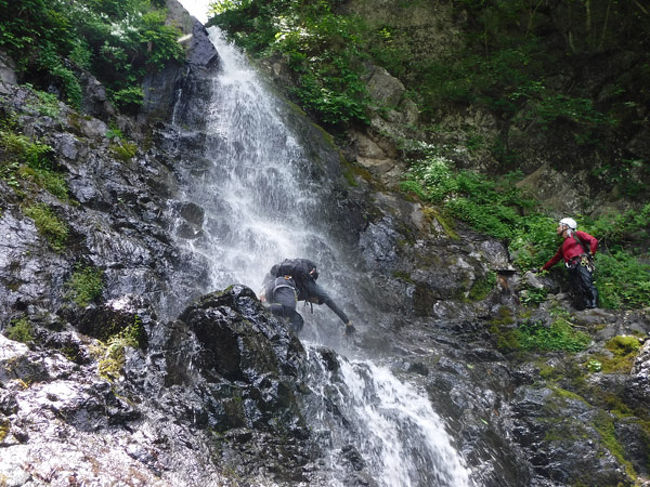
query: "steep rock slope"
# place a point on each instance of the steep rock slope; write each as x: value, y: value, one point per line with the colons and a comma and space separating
x: 121, y: 391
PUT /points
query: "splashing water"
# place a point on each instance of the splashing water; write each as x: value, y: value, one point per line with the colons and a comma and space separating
x: 390, y: 423
x: 262, y: 205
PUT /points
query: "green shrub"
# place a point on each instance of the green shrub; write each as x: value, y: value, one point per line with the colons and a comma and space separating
x: 20, y: 331
x: 113, y: 352
x: 51, y: 62
x: 534, y: 241
x: 618, y: 230
x: 85, y: 285
x: 24, y: 150
x: 51, y: 181
x: 486, y: 205
x: 533, y: 296
x: 30, y: 161
x: 324, y: 50
x: 118, y: 41
x: 499, y: 209
x: 46, y: 104
x: 124, y: 150
x: 48, y: 225
x: 581, y: 111
x: 622, y: 280
x: 560, y: 336
x: 129, y: 99
x: 159, y: 40
x: 482, y: 287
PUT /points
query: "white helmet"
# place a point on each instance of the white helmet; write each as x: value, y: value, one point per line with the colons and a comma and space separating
x: 569, y: 222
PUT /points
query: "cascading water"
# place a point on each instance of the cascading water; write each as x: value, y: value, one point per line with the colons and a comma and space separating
x: 262, y: 204
x: 390, y: 424
x: 259, y: 202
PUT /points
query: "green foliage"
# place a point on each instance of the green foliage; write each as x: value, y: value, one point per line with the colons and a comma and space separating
x: 552, y: 107
x: 531, y: 296
x: 435, y: 178
x: 129, y: 99
x: 160, y: 40
x: 48, y: 225
x: 114, y: 351
x: 124, y: 150
x: 46, y: 104
x: 81, y: 55
x: 114, y: 133
x: 23, y: 150
x: 482, y: 287
x: 85, y: 285
x: 47, y: 179
x: 324, y: 50
x: 622, y: 280
x: 625, y: 176
x: 26, y: 160
x: 594, y: 365
x: 414, y: 187
x: 619, y: 230
x: 490, y: 207
x: 497, y: 208
x: 560, y: 336
x: 49, y: 61
x: 20, y: 330
x: 118, y: 41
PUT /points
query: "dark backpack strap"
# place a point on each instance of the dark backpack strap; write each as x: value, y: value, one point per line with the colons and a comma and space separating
x: 582, y: 244
x: 587, y: 259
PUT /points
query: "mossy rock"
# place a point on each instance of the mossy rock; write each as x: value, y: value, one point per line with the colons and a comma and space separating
x: 5, y: 427
x: 624, y: 350
x: 623, y: 345
x: 482, y: 287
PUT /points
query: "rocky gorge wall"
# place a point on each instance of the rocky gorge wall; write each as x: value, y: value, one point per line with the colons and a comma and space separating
x: 145, y: 387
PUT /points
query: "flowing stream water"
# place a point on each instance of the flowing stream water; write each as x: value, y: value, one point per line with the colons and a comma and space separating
x: 262, y: 204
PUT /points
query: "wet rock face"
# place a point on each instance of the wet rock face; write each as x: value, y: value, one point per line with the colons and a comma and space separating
x: 234, y: 333
x: 61, y: 424
x: 239, y: 372
x: 638, y: 388
x: 59, y: 418
x: 514, y: 425
x: 120, y: 213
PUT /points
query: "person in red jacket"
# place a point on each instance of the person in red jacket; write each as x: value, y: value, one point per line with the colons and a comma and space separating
x: 577, y: 250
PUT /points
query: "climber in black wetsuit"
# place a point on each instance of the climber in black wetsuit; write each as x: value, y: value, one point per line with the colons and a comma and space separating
x: 294, y: 280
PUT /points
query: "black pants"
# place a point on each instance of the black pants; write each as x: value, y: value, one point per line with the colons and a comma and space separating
x: 284, y: 305
x: 582, y: 281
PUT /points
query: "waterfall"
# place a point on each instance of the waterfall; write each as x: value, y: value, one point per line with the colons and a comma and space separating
x: 389, y: 423
x: 262, y: 204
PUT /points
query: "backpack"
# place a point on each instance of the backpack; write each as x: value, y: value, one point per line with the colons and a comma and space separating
x: 272, y: 284
x: 299, y: 269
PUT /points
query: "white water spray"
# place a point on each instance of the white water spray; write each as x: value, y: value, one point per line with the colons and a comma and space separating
x: 390, y: 423
x: 261, y: 206
x: 258, y: 199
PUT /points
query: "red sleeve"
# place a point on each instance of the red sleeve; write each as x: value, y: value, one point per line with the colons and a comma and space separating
x: 554, y: 260
x: 593, y: 242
